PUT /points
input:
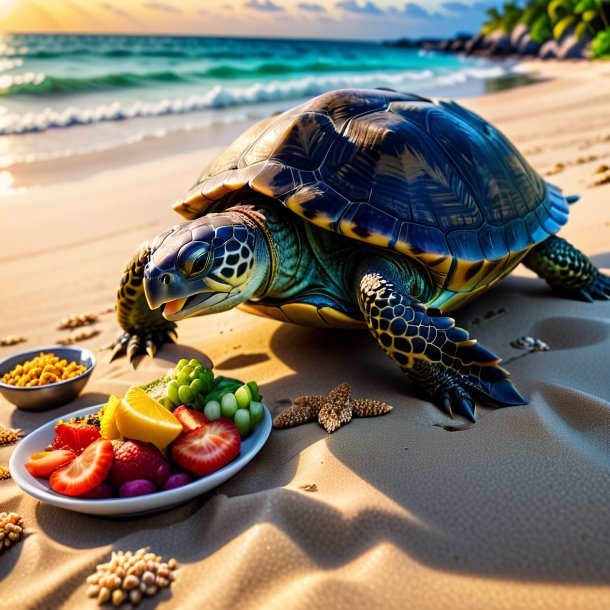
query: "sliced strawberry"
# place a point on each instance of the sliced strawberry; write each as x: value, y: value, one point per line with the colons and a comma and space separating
x: 207, y: 448
x: 44, y: 463
x: 189, y: 418
x: 85, y: 472
x: 75, y: 436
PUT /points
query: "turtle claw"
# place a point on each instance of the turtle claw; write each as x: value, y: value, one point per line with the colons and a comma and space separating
x: 465, y: 407
x: 133, y: 344
x: 455, y: 400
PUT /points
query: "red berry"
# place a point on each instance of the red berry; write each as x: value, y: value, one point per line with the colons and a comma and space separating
x: 84, y: 472
x: 75, y: 436
x: 207, y: 448
x: 138, y: 460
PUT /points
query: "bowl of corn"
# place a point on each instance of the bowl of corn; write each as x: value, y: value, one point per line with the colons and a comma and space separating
x: 45, y: 377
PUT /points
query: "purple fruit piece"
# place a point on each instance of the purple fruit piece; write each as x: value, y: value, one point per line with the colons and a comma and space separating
x: 138, y: 487
x: 177, y: 480
x: 162, y: 474
x: 100, y: 492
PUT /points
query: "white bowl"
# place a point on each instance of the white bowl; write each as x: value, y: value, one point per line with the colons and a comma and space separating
x: 39, y: 488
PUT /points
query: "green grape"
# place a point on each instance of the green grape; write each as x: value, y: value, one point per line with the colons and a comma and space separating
x: 228, y: 405
x: 183, y: 377
x: 168, y: 404
x: 196, y: 386
x: 212, y: 410
x: 185, y: 394
x: 242, y: 396
x: 242, y: 421
x: 172, y: 392
x: 194, y: 363
x: 256, y: 412
x: 182, y: 363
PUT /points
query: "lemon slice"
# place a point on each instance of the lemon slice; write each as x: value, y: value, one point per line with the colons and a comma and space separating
x: 108, y: 427
x: 140, y: 417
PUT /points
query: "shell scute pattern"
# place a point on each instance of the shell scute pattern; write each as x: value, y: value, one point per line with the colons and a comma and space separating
x: 427, y: 178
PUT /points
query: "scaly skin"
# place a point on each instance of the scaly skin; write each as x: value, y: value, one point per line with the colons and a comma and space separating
x: 567, y: 270
x: 440, y: 358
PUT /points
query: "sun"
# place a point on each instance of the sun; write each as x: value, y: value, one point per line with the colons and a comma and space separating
x: 7, y: 7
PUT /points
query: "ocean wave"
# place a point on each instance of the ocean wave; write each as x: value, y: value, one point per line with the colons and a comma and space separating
x: 38, y: 83
x: 10, y: 159
x: 224, y: 97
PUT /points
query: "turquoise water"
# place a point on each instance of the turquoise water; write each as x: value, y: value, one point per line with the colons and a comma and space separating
x: 133, y: 87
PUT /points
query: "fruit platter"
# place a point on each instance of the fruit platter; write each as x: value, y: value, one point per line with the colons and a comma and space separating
x: 158, y: 446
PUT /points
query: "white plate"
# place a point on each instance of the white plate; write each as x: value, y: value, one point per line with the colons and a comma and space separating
x: 162, y: 500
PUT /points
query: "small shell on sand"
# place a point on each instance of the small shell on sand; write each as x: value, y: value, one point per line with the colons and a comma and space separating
x: 82, y: 335
x: 601, y: 176
x: 77, y: 320
x: 8, y: 436
x: 554, y: 169
x: 309, y: 487
x: 12, y: 340
x: 531, y: 344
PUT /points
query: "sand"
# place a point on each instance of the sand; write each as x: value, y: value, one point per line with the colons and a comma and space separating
x: 512, y: 512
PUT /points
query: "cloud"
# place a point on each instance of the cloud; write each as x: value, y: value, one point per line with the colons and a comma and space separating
x: 119, y: 12
x: 263, y: 5
x: 416, y: 11
x: 164, y: 8
x: 311, y: 7
x: 352, y: 6
x: 456, y: 7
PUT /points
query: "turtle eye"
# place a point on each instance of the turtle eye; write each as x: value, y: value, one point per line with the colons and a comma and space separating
x: 194, y: 259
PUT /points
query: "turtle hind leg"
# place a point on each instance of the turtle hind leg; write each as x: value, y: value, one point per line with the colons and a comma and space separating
x: 145, y: 330
x: 446, y: 365
x: 567, y: 270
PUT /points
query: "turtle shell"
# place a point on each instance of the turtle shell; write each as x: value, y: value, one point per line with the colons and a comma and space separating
x: 426, y: 178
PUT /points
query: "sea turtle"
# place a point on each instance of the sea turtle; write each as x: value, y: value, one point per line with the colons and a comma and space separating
x: 362, y: 208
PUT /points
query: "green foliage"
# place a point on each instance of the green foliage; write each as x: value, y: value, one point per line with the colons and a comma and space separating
x: 540, y: 30
x: 600, y: 47
x: 553, y: 19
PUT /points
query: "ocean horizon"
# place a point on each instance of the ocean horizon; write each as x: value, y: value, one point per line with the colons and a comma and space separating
x: 65, y: 95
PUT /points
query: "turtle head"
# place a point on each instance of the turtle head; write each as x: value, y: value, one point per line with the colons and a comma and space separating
x: 206, y: 265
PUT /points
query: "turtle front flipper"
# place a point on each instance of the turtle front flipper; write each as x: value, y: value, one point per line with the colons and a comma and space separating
x: 568, y: 271
x: 443, y: 362
x: 145, y: 330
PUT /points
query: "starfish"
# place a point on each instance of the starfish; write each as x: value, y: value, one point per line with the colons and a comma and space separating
x: 331, y: 411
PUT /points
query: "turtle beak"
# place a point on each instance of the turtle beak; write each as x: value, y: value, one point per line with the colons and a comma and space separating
x: 160, y: 288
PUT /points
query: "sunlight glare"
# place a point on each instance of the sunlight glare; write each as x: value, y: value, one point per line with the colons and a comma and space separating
x: 7, y: 7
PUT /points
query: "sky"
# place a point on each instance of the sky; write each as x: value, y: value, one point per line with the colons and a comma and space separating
x: 339, y: 19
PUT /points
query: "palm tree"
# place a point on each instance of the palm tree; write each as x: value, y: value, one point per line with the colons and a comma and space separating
x: 583, y: 16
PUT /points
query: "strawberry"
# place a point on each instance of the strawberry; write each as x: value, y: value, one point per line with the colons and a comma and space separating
x: 84, y: 472
x: 44, y: 463
x: 207, y: 448
x: 189, y: 418
x: 74, y: 436
x: 138, y: 460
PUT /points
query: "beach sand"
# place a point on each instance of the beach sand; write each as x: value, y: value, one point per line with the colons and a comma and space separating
x: 512, y: 512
